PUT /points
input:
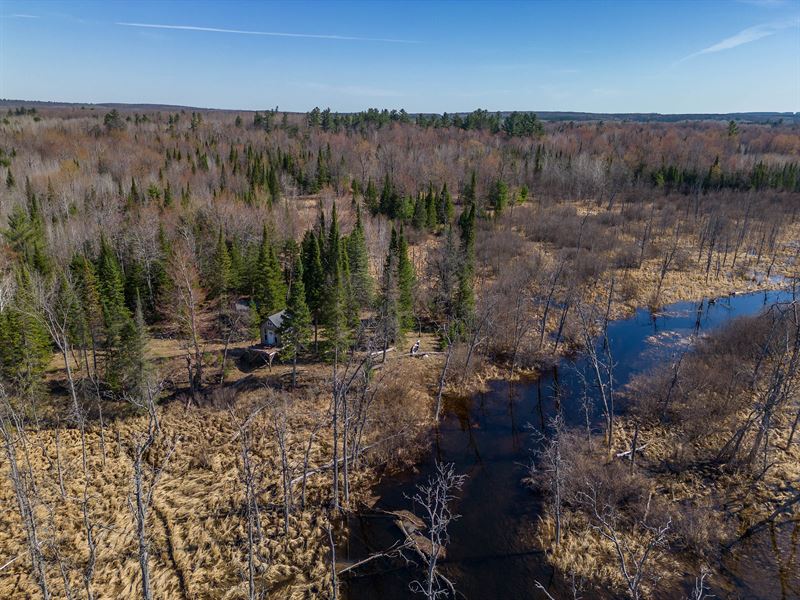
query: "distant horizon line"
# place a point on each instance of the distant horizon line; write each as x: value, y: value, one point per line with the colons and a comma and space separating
x: 14, y: 101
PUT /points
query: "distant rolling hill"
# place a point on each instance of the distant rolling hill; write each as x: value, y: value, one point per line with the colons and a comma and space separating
x: 749, y: 117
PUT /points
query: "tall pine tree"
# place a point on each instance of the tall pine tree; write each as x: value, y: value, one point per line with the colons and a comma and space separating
x: 25, y: 349
x: 313, y: 279
x: 335, y: 306
x: 296, y: 325
x: 445, y: 208
x: 464, y: 306
x: 406, y: 282
x: 270, y: 288
x: 358, y: 257
x: 389, y: 320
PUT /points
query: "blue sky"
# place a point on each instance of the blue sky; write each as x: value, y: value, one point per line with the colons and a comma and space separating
x: 637, y: 56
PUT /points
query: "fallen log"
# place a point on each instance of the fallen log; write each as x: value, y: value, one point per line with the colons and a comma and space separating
x: 628, y: 452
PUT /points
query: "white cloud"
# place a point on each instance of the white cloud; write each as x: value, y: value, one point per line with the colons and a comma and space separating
x: 746, y: 36
x: 266, y: 33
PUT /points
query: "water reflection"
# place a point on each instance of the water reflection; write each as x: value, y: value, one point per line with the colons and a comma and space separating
x: 493, y: 551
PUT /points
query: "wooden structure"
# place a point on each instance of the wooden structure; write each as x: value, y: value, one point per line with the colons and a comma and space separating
x: 270, y: 330
x: 268, y: 354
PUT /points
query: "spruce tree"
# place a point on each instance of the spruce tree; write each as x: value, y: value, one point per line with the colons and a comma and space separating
x: 274, y: 186
x: 111, y: 287
x: 389, y: 297
x: 296, y: 327
x: 371, y: 198
x: 26, y: 233
x: 431, y: 210
x: 270, y: 288
x: 313, y: 279
x: 498, y: 197
x: 464, y: 306
x: 116, y: 315
x: 471, y: 190
x: 447, y: 266
x: 388, y: 201
x: 25, y: 349
x: 445, y: 207
x: 406, y: 281
x: 335, y: 298
x: 358, y: 257
x: 129, y: 363
x: 135, y: 282
x: 420, y: 218
x: 351, y: 305
x: 89, y: 324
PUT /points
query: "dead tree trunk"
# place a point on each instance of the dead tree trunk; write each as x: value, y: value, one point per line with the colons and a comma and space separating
x: 12, y: 430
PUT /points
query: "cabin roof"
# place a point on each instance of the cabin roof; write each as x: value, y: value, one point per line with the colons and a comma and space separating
x: 275, y: 320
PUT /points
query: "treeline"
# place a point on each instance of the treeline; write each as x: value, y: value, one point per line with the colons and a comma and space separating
x: 280, y: 154
x: 514, y: 124
x: 761, y: 176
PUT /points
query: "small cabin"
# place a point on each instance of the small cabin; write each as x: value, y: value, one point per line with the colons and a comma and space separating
x: 270, y: 329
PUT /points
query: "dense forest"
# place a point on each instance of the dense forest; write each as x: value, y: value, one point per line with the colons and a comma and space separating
x: 152, y: 447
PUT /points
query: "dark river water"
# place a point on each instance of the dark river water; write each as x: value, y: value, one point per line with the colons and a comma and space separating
x: 492, y: 552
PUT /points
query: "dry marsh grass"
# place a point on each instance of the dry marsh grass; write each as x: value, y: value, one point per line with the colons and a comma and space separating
x: 197, y: 525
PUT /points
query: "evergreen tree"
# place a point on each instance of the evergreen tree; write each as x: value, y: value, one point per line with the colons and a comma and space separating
x: 238, y: 273
x: 116, y: 316
x: 335, y: 298
x: 351, y: 305
x: 111, y: 287
x: 358, y: 260
x: 10, y: 181
x: 274, y: 186
x: 26, y: 233
x: 464, y: 306
x: 391, y: 203
x: 406, y: 281
x: 159, y: 282
x: 135, y: 283
x: 88, y: 328
x: 25, y: 349
x: 129, y: 364
x: 498, y: 196
x: 471, y: 190
x: 323, y: 170
x: 420, y: 218
x: 389, y: 298
x: 313, y: 278
x: 431, y: 209
x: 371, y: 198
x: 289, y: 257
x: 270, y: 288
x: 445, y: 208
x: 446, y: 266
x: 296, y: 327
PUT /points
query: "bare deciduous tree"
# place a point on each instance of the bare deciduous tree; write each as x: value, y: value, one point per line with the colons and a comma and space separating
x: 145, y: 477
x: 434, y: 498
x: 634, y: 561
x: 549, y: 469
x: 22, y: 480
